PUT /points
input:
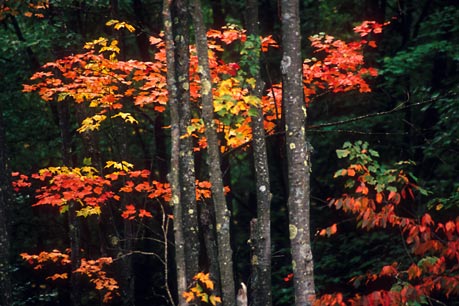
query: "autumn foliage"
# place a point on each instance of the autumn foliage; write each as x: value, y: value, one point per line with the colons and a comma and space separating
x: 376, y: 197
x: 117, y: 91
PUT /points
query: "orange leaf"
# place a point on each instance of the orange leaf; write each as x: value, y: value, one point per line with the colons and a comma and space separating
x: 57, y: 276
x: 389, y: 271
x: 129, y: 213
x: 144, y: 213
x: 372, y: 44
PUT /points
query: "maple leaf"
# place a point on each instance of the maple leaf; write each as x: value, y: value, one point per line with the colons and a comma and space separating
x: 58, y: 276
x: 189, y: 296
x: 124, y: 165
x: 215, y: 299
x: 144, y: 213
x: 120, y: 24
x: 88, y: 210
x: 329, y: 230
x: 129, y: 213
x: 267, y: 42
x: 127, y: 117
x: 91, y: 123
x: 155, y: 40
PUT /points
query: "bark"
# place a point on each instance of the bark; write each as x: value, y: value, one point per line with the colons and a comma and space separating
x: 261, y: 234
x: 297, y: 155
x: 127, y: 275
x: 222, y: 214
x: 74, y: 226
x: 174, y: 175
x: 186, y: 160
x: 5, y: 279
x: 207, y: 226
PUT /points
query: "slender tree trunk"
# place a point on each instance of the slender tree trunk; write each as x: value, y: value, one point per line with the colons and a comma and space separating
x: 261, y: 235
x: 222, y: 214
x: 186, y: 161
x: 5, y: 279
x: 174, y: 174
x: 34, y: 63
x: 207, y: 226
x: 74, y: 227
x: 127, y: 275
x: 297, y: 155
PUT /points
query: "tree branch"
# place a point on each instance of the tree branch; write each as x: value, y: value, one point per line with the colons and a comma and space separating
x: 398, y: 108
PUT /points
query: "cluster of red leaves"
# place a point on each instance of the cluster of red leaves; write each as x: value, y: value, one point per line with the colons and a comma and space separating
x: 103, y: 83
x: 434, y: 245
x: 55, y: 256
x: 106, y: 83
x: 93, y: 269
x: 21, y: 7
x: 88, y: 190
x: 61, y: 185
x: 341, y: 67
x: 288, y: 278
x: 203, y: 190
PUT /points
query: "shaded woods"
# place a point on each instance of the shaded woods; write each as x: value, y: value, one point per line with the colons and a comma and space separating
x: 229, y: 153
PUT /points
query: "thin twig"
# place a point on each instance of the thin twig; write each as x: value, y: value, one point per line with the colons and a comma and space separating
x: 398, y: 108
x: 165, y: 228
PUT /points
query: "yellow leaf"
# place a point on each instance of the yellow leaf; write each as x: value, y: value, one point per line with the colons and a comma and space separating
x: 124, y: 165
x: 88, y: 210
x: 251, y: 81
x: 127, y: 117
x: 91, y: 123
x: 215, y: 299
x: 205, y: 298
x: 189, y: 296
x: 111, y: 22
x: 120, y: 24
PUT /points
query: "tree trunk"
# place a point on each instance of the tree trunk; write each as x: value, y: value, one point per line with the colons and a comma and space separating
x: 186, y: 161
x: 5, y: 279
x: 297, y: 155
x: 74, y: 227
x: 222, y: 214
x: 207, y: 226
x: 261, y: 236
x: 174, y: 173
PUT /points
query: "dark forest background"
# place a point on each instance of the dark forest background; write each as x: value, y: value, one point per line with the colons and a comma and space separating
x: 418, y: 63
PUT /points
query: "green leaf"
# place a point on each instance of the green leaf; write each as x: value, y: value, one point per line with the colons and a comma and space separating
x: 253, y: 112
x: 87, y: 161
x: 342, y: 153
x: 373, y: 153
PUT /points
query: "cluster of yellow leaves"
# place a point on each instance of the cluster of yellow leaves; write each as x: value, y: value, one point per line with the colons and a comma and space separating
x: 117, y: 25
x: 123, y: 165
x: 202, y: 290
x: 91, y: 123
x: 127, y: 117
